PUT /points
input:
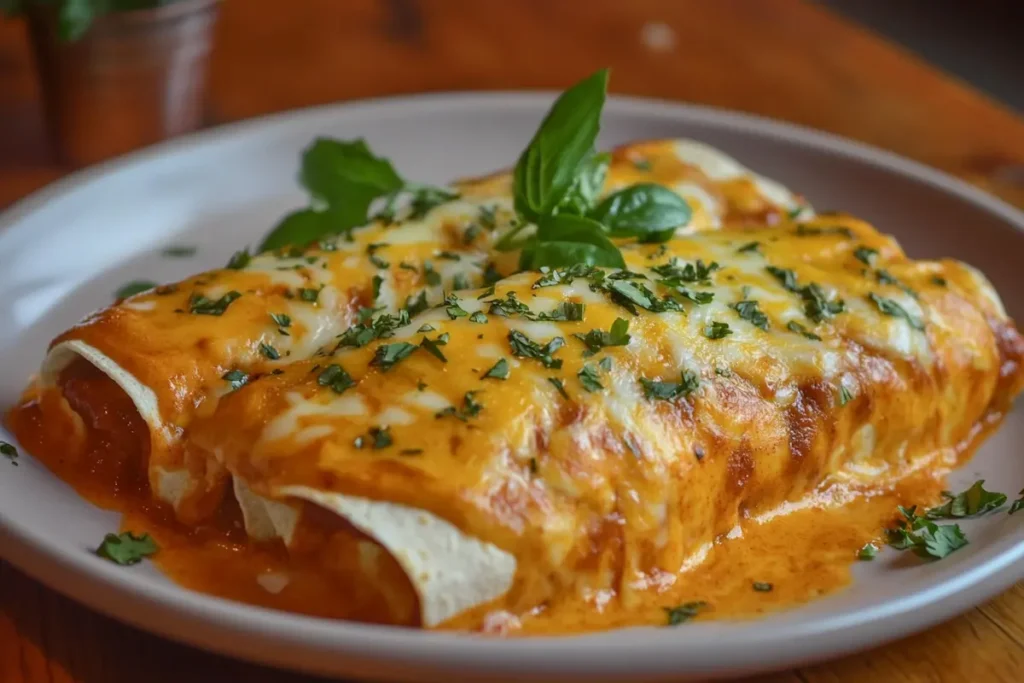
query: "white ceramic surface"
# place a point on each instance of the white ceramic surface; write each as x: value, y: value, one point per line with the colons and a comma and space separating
x: 65, y: 250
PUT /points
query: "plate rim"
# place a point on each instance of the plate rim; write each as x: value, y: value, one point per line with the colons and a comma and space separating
x: 92, y: 582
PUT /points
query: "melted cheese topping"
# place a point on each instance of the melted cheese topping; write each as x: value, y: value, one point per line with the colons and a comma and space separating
x: 604, y: 466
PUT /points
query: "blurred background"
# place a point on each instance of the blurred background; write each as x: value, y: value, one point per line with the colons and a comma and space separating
x: 83, y: 80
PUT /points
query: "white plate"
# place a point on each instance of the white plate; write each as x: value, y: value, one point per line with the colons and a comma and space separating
x: 66, y: 249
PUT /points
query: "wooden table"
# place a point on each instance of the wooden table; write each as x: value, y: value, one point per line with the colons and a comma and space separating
x: 781, y: 58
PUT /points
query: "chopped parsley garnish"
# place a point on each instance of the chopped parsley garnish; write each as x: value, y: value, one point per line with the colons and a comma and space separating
x: 763, y: 587
x: 478, y: 317
x: 379, y: 262
x: 417, y: 305
x: 524, y: 347
x: 239, y: 260
x: 237, y: 378
x: 434, y: 347
x: 560, y: 276
x: 491, y: 274
x: 309, y: 295
x: 683, y: 613
x: 750, y: 248
x: 814, y: 231
x: 886, y: 278
x: 691, y: 273
x: 487, y: 292
x: 749, y: 311
x: 670, y: 391
x: 470, y: 408
x: 426, y: 327
x: 865, y: 255
x: 448, y: 255
x: 892, y: 308
x: 716, y: 330
x: 566, y: 310
x: 794, y: 326
x: 560, y: 386
x: 817, y: 304
x: 471, y: 233
x: 282, y: 321
x: 642, y: 164
x: 335, y: 377
x: 868, y: 552
x: 363, y: 333
x: 8, y: 450
x: 408, y: 266
x: 126, y: 548
x: 630, y: 294
x: 509, y: 307
x: 200, y: 305
x: 599, y: 339
x: 844, y: 395
x: 589, y: 378
x: 179, y: 251
x: 376, y: 284
x: 940, y: 281
x: 269, y: 351
x: 1017, y: 504
x: 389, y: 355
x: 453, y: 309
x: 411, y: 451
x: 461, y: 281
x: 488, y: 217
x: 426, y: 198
x: 974, y: 501
x: 132, y: 288
x: 927, y: 539
x: 376, y: 438
x: 498, y: 371
x: 432, y: 276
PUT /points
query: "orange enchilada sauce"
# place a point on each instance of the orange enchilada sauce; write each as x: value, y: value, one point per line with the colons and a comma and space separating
x: 100, y: 449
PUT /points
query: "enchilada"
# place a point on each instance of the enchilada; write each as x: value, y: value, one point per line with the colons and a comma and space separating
x: 560, y: 449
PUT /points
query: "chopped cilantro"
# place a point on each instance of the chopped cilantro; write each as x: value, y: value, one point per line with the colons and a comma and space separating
x: 498, y: 371
x: 669, y: 391
x: 716, y: 330
x: 389, y: 355
x: 750, y: 248
x: 974, y: 501
x: 749, y: 311
x: 478, y: 317
x: 560, y: 386
x: 126, y: 548
x: 794, y: 326
x: 417, y: 305
x: 599, y: 339
x: 432, y: 276
x: 269, y: 351
x: 844, y: 395
x: 814, y: 231
x: 470, y: 408
x: 433, y: 347
x: 453, y: 309
x: 1017, y: 504
x: 309, y: 295
x: 237, y: 378
x: 376, y: 438
x: 683, y: 613
x: 335, y: 377
x: 865, y: 255
x: 487, y: 217
x: 927, y: 539
x: 868, y: 552
x: 524, y: 347
x: 940, y: 281
x: 461, y: 281
x: 200, y: 305
x: 892, y: 308
x: 559, y: 276
x: 282, y: 320
x: 589, y: 378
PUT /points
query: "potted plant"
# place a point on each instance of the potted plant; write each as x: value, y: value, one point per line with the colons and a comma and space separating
x: 118, y: 74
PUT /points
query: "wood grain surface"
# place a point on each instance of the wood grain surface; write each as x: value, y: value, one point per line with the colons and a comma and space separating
x: 781, y: 58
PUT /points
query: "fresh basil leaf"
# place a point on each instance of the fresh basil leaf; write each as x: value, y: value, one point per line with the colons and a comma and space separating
x: 303, y: 227
x: 566, y: 240
x: 647, y: 211
x: 586, y: 188
x: 550, y: 164
x: 341, y: 172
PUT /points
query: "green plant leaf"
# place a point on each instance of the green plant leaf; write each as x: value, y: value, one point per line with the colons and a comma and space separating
x: 342, y: 171
x: 583, y: 193
x: 74, y: 18
x: 549, y: 165
x: 647, y: 211
x: 566, y: 240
